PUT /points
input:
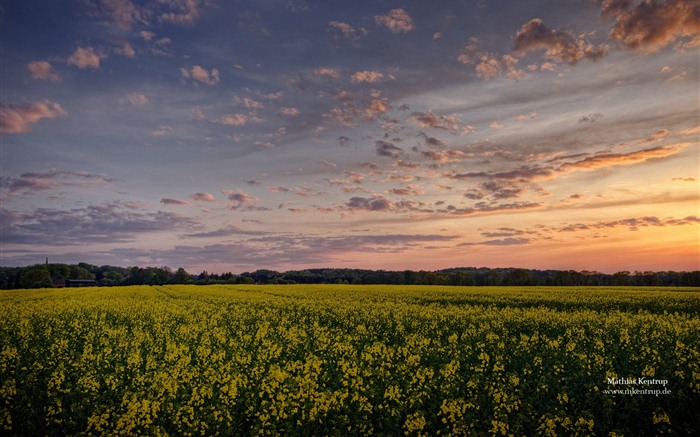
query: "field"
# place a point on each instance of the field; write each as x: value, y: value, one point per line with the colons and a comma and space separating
x: 349, y: 360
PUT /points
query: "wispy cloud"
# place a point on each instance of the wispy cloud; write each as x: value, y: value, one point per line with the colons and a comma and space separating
x: 32, y: 183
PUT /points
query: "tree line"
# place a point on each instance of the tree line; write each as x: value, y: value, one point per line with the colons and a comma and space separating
x: 60, y: 275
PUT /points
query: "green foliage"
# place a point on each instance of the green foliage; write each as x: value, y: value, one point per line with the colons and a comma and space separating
x: 36, y: 277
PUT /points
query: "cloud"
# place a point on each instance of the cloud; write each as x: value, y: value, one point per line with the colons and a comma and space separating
x: 652, y: 25
x: 272, y: 250
x: 292, y: 112
x: 123, y: 13
x: 366, y: 76
x: 591, y: 118
x: 524, y: 173
x: 162, y: 131
x: 107, y: 222
x: 86, y: 58
x: 232, y: 120
x: 443, y: 156
x: 397, y: 20
x: 199, y: 74
x: 490, y: 208
x: 489, y: 65
x: 202, y: 197
x: 15, y: 119
x: 42, y: 70
x: 386, y: 148
x: 186, y: 12
x: 227, y: 231
x: 510, y: 241
x: 169, y: 201
x: 147, y: 35
x: 125, y: 50
x: 327, y: 72
x: 375, y: 203
x: 136, y: 99
x: 32, y: 182
x: 444, y: 122
x: 240, y: 199
x: 558, y: 45
x: 526, y: 117
x: 410, y: 190
x: 502, y: 190
x: 347, y: 30
x: 588, y: 162
x: 610, y: 159
x: 375, y: 108
x: 632, y: 224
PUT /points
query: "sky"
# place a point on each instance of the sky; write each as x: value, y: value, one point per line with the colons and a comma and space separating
x: 289, y: 134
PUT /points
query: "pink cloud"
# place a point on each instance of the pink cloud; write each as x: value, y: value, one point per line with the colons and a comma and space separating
x: 347, y: 30
x: 327, y: 72
x: 199, y: 74
x: 232, y: 120
x: 125, y: 50
x: 292, y: 112
x: 366, y: 76
x: 86, y: 58
x: 397, y: 20
x: 15, y: 119
x: 42, y: 70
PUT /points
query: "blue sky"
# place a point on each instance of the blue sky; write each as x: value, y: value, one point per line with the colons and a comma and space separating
x: 230, y: 136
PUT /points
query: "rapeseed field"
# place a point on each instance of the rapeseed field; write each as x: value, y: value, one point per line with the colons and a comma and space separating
x: 349, y: 360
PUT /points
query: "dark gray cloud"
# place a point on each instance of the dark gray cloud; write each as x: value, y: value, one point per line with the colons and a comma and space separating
x: 32, y: 182
x: 176, y: 202
x: 107, y: 222
x: 501, y: 190
x: 387, y: 148
x: 558, y: 45
x: 376, y: 203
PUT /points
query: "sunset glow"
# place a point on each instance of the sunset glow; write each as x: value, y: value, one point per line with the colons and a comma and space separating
x: 231, y: 136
